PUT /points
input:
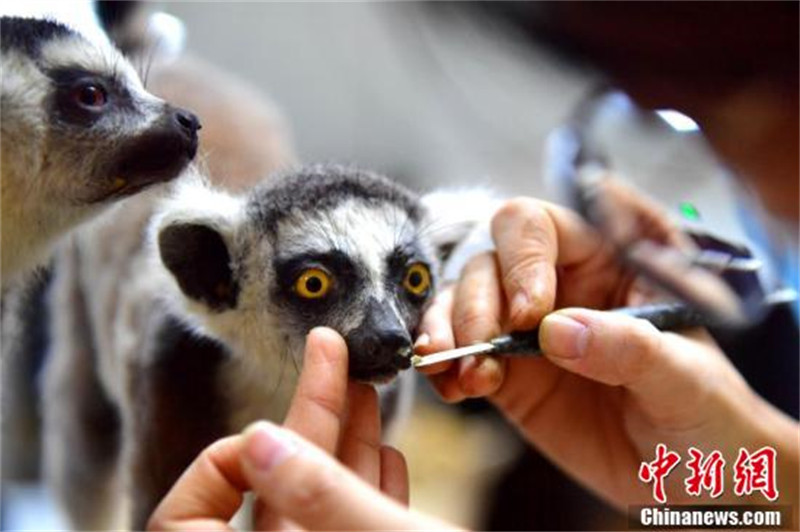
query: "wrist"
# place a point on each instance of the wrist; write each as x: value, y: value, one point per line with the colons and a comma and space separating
x: 782, y: 433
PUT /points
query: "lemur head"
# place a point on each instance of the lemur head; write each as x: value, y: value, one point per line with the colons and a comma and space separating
x: 78, y: 130
x: 324, y: 246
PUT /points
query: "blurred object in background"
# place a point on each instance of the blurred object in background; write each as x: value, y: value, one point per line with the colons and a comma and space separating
x: 717, y: 277
x: 432, y: 100
x: 435, y: 94
x: 24, y: 325
x: 245, y: 135
x: 77, y: 14
x: 454, y: 459
x: 140, y: 31
x: 732, y: 66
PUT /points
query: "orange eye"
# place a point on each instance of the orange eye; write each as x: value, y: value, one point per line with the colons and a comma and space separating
x: 418, y: 279
x: 313, y: 283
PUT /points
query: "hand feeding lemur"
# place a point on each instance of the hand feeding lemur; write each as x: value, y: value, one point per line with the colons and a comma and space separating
x: 78, y: 132
x: 209, y: 328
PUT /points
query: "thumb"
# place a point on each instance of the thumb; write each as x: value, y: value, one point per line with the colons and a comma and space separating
x: 299, y: 482
x: 665, y: 372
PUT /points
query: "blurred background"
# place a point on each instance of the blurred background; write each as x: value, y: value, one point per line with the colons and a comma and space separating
x: 433, y: 95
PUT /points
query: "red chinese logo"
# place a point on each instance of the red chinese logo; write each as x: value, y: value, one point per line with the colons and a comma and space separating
x: 752, y: 472
x: 756, y: 472
x: 657, y: 470
x: 706, y: 473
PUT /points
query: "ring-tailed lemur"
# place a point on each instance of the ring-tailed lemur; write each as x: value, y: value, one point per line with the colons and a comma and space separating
x: 78, y: 132
x: 208, y: 327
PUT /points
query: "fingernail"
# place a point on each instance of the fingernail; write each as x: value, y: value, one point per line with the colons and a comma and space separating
x: 520, y: 303
x: 562, y: 336
x: 487, y: 364
x: 541, y: 286
x: 423, y: 340
x: 482, y: 379
x: 266, y: 446
x: 468, y: 362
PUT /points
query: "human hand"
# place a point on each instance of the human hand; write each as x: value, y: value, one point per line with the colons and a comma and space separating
x: 609, y: 387
x: 298, y: 484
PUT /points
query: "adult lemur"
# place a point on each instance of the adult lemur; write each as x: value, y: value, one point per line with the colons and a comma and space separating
x: 78, y: 132
x: 204, y: 331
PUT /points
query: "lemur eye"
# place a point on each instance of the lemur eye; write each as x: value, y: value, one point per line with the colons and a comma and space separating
x: 418, y: 279
x: 90, y: 95
x: 313, y: 283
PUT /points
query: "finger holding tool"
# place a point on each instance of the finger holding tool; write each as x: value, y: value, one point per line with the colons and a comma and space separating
x: 665, y: 317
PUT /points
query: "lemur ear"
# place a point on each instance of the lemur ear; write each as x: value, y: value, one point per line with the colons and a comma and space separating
x: 458, y: 218
x: 194, y: 231
x: 198, y: 257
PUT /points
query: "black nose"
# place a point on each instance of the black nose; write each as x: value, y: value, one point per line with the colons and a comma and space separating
x: 390, y: 340
x: 376, y: 353
x: 376, y: 344
x: 187, y: 120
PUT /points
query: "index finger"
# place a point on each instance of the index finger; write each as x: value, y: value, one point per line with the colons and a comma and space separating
x: 531, y: 237
x: 317, y: 411
x: 208, y: 493
x: 360, y: 448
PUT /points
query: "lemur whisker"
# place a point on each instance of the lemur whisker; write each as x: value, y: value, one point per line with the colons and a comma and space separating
x: 154, y: 47
x: 397, y: 230
x: 432, y: 227
x: 400, y: 231
x: 294, y: 363
x: 281, y: 374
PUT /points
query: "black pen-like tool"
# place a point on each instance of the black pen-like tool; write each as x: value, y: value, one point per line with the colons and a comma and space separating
x: 665, y: 316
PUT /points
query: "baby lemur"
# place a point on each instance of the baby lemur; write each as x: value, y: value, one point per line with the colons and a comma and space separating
x: 206, y: 330
x: 78, y: 132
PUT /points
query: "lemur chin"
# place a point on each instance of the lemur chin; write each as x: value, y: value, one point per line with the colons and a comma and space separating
x: 202, y: 332
x: 79, y: 132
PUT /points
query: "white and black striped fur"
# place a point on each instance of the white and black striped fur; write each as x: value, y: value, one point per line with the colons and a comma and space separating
x: 202, y: 333
x: 76, y: 126
x: 78, y: 132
